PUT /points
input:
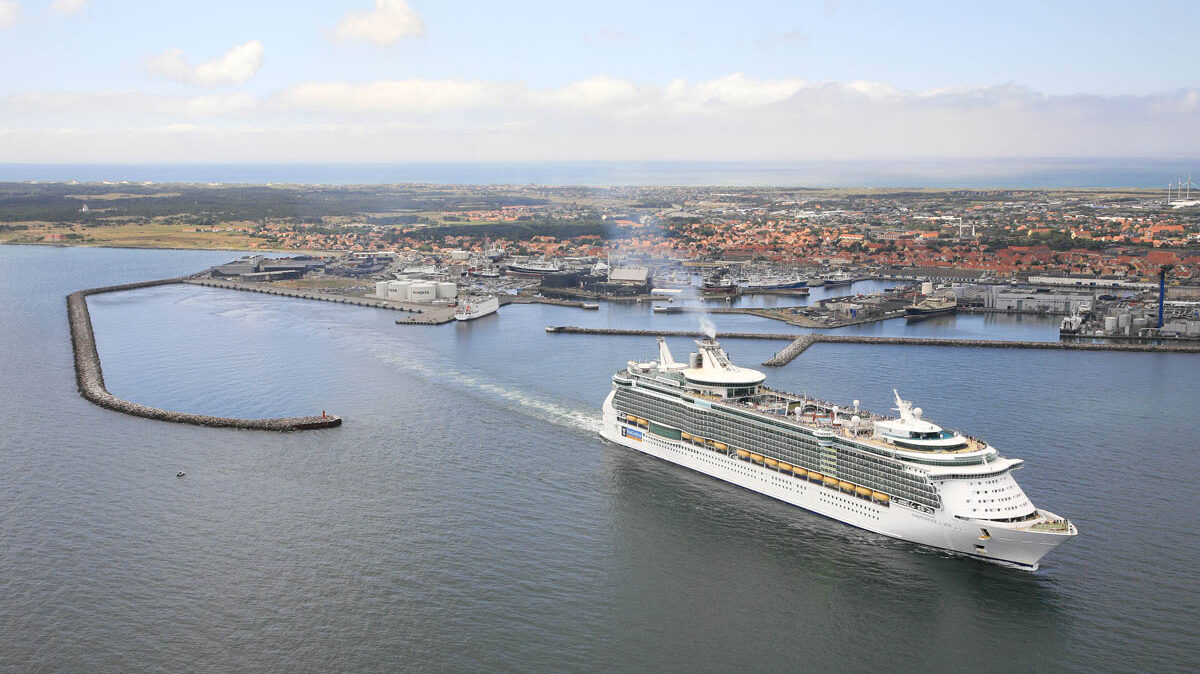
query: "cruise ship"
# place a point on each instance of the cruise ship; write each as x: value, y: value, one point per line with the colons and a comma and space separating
x: 903, y: 477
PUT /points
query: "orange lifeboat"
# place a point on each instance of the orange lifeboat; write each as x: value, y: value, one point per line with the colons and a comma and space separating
x: 785, y: 467
x: 800, y: 472
x: 831, y: 481
x: 846, y: 485
x: 815, y: 476
x: 862, y: 491
x: 743, y: 454
x: 880, y: 496
x: 771, y: 462
x: 756, y: 458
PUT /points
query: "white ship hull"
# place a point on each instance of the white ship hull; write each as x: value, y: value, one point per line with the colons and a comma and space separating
x: 1013, y: 546
x: 471, y: 310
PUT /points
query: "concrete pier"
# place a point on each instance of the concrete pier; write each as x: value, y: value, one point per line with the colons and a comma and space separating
x: 800, y: 343
x: 430, y: 315
x: 90, y: 378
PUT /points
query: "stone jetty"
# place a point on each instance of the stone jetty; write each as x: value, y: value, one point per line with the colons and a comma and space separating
x: 90, y: 378
x: 800, y: 343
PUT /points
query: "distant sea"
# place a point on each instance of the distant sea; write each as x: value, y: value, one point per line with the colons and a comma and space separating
x: 942, y: 173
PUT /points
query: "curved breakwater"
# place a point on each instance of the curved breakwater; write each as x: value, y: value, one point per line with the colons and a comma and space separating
x: 90, y: 378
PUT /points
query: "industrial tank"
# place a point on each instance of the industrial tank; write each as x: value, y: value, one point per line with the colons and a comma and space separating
x: 381, y: 290
x: 398, y: 290
x: 1110, y: 324
x: 422, y: 292
x: 447, y: 290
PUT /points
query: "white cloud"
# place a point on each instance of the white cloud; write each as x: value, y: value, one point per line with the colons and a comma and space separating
x: 594, y: 92
x: 233, y: 67
x: 412, y: 95
x: 125, y: 104
x: 390, y: 21
x: 68, y: 7
x: 735, y: 117
x: 10, y: 11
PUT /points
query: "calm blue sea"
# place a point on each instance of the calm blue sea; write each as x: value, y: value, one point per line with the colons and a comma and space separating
x: 467, y: 518
x: 998, y: 172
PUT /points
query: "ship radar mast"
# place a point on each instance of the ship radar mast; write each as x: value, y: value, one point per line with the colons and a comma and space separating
x: 906, y: 409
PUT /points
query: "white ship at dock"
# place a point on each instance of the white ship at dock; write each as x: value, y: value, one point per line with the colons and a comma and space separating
x: 903, y: 477
x: 470, y: 308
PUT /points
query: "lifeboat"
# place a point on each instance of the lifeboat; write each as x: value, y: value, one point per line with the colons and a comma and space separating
x: 815, y: 476
x: 720, y: 446
x: 743, y: 454
x: 831, y: 481
x: 800, y: 472
x: 631, y: 420
x: 686, y: 436
x: 756, y: 458
x: 785, y: 467
x: 846, y: 485
x: 880, y: 496
x: 771, y: 462
x: 862, y: 491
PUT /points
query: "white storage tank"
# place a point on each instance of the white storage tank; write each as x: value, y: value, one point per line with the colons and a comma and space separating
x: 927, y: 288
x: 1110, y: 323
x: 447, y: 290
x: 381, y: 290
x: 422, y: 292
x: 1123, y: 321
x: 398, y: 290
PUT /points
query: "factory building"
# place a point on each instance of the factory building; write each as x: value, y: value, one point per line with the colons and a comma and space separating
x: 1007, y: 298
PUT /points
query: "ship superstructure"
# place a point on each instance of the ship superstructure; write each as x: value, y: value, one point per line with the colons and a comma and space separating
x: 904, y: 477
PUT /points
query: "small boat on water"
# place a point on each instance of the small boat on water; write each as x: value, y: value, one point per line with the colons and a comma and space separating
x: 590, y: 305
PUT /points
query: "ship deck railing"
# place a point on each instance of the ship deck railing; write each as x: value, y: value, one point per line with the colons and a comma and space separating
x: 845, y: 429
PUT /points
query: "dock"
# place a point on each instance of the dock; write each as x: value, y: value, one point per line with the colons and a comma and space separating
x: 89, y: 377
x: 429, y: 315
x: 800, y: 343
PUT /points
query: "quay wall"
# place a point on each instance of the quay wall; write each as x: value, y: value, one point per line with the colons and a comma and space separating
x: 431, y: 315
x: 800, y: 343
x: 89, y: 377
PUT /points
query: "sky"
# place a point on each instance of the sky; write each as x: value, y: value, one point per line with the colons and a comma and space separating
x: 115, y: 81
